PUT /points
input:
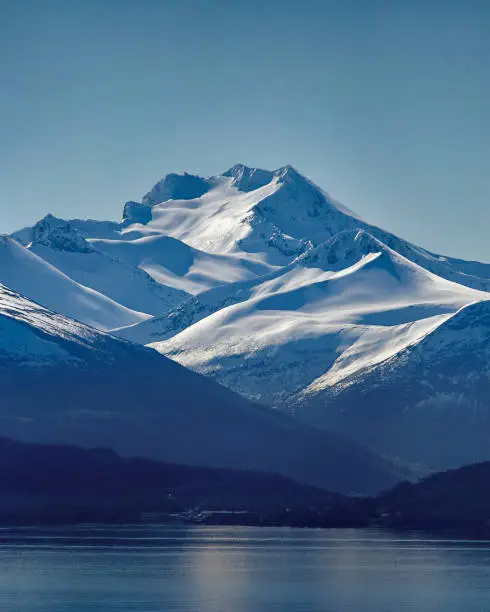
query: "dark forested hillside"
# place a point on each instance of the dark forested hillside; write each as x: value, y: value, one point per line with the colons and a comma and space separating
x: 54, y: 483
x: 457, y: 500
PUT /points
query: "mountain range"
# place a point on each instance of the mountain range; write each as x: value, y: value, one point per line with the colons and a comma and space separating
x: 64, y: 382
x: 261, y: 281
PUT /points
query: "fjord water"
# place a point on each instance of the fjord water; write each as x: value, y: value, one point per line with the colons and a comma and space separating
x: 238, y: 569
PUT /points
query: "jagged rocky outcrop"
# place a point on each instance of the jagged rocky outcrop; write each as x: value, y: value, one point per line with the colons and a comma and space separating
x: 176, y: 187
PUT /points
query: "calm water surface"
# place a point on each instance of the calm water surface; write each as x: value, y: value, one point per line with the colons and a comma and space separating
x: 238, y: 569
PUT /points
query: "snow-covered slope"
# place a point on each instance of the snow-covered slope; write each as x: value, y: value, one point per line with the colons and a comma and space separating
x: 61, y: 381
x: 60, y: 244
x: 25, y: 272
x: 429, y: 403
x: 174, y: 264
x: 339, y: 309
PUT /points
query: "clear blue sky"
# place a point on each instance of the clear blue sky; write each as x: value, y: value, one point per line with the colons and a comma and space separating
x: 384, y: 103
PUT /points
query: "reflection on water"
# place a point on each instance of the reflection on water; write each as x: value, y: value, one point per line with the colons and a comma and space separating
x: 238, y: 569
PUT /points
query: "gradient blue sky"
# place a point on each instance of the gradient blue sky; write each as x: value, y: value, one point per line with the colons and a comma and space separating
x: 384, y: 103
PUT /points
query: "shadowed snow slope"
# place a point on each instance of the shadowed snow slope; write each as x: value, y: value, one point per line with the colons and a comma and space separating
x: 334, y: 312
x: 34, y: 277
x: 61, y: 381
x: 173, y: 264
x: 428, y: 403
x: 58, y: 243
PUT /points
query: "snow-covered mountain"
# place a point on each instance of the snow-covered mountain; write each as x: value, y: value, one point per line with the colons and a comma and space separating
x: 269, y: 216
x: 192, y: 234
x: 61, y: 381
x: 341, y: 308
x: 261, y: 280
x: 262, y: 218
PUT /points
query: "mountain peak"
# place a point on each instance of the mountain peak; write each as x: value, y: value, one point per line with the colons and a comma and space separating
x: 59, y: 234
x: 176, y: 187
x: 343, y: 249
x: 289, y: 172
x: 237, y: 169
x: 135, y: 212
x: 248, y: 179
